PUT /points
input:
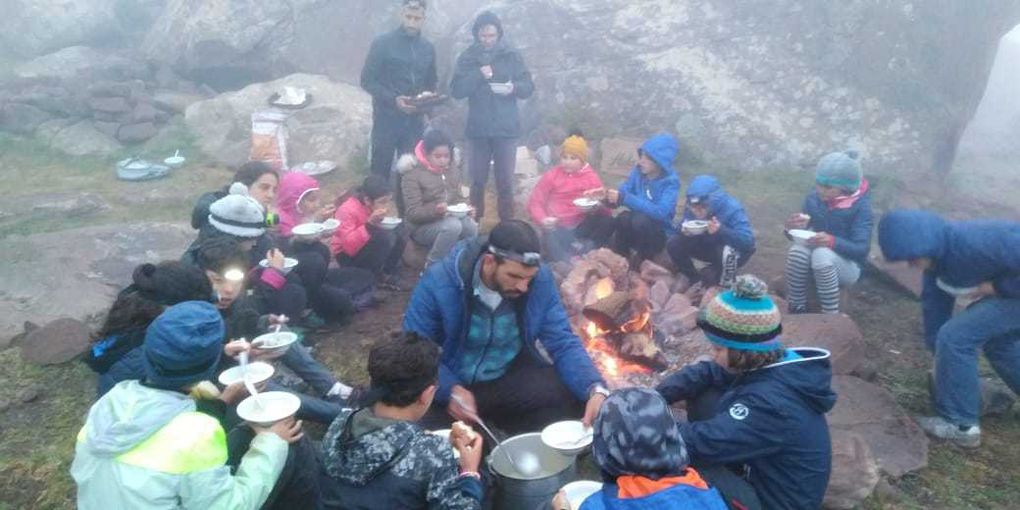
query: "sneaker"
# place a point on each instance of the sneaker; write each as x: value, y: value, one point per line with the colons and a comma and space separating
x: 393, y: 283
x: 965, y: 436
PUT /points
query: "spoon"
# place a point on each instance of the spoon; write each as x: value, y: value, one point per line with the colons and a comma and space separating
x: 496, y: 440
x: 177, y: 153
x: 243, y: 358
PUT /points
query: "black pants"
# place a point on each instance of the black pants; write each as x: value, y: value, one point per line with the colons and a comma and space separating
x: 684, y: 250
x: 728, y: 480
x: 381, y: 254
x: 393, y: 133
x: 636, y: 231
x: 501, y: 155
x: 290, y: 300
x: 333, y: 294
x: 298, y: 485
x: 598, y: 229
x: 528, y: 397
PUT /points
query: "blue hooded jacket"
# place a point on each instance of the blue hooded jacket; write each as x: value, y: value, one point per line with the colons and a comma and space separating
x: 655, y: 198
x: 966, y: 254
x: 736, y: 229
x: 440, y: 309
x: 850, y: 226
x: 771, y: 419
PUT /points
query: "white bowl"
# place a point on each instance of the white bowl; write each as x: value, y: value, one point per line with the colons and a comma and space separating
x: 579, y: 491
x: 586, y: 204
x: 445, y: 434
x: 502, y: 89
x: 330, y: 225
x: 275, y: 342
x: 272, y: 406
x: 801, y: 236
x: 258, y: 371
x: 458, y: 210
x: 695, y: 227
x: 174, y: 161
x: 955, y: 291
x: 288, y: 264
x: 567, y: 437
x: 390, y: 222
x: 307, y: 229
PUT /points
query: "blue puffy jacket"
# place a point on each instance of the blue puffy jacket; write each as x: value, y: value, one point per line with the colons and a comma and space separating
x: 736, y: 230
x: 440, y: 309
x: 655, y: 198
x: 850, y: 226
x: 679, y: 496
x: 771, y: 420
x: 966, y: 254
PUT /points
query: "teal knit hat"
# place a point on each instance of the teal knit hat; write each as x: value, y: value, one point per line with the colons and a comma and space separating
x: 743, y: 318
x: 840, y: 170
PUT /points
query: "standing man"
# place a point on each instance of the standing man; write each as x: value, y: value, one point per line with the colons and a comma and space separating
x: 492, y: 76
x: 508, y: 353
x: 400, y: 65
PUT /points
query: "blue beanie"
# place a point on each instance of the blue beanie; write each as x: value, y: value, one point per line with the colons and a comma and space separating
x: 183, y: 345
x: 910, y: 234
x: 840, y: 170
x: 635, y: 434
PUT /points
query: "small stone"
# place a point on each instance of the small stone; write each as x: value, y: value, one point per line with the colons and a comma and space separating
x: 57, y: 342
x: 135, y: 133
x: 30, y: 394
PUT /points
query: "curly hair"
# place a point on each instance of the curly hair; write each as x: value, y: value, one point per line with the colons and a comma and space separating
x: 402, y: 367
x: 746, y: 361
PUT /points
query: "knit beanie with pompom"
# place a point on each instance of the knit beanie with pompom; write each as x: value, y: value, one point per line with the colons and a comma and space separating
x: 743, y: 318
x: 840, y: 170
x: 238, y: 214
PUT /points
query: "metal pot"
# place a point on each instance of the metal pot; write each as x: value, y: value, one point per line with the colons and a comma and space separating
x: 515, y: 491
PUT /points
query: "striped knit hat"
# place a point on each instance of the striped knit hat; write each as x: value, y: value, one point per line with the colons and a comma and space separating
x: 743, y: 318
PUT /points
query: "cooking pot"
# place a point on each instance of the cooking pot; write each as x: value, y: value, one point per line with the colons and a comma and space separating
x: 515, y: 490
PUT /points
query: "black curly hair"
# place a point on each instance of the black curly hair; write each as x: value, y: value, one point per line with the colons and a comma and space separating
x: 402, y: 367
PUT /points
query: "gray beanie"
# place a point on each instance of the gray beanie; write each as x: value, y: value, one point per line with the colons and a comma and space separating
x: 840, y: 170
x: 238, y: 214
x: 635, y: 434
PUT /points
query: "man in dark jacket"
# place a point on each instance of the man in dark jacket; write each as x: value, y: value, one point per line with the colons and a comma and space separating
x: 975, y: 259
x: 496, y: 312
x: 400, y: 65
x: 771, y: 413
x: 726, y: 243
x: 492, y: 76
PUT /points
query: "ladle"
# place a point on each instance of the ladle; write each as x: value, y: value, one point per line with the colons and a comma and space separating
x: 496, y: 440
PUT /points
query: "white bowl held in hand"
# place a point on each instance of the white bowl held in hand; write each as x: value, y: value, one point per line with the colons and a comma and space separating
x: 579, y: 491
x: 390, y: 222
x: 288, y: 264
x: 695, y: 227
x: 271, y: 407
x: 586, y: 204
x: 258, y: 371
x: 801, y: 237
x: 274, y: 342
x: 307, y: 229
x: 330, y: 225
x: 501, y: 89
x: 445, y: 434
x: 458, y: 210
x: 569, y: 437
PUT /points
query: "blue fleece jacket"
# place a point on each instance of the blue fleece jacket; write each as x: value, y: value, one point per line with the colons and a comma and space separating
x: 851, y: 226
x: 736, y: 229
x: 772, y: 420
x: 966, y: 254
x: 440, y: 309
x: 655, y: 198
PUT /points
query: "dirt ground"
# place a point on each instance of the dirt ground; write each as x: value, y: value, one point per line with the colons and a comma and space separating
x: 41, y: 408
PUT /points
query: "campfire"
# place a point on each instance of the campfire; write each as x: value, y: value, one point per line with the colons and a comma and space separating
x: 637, y: 324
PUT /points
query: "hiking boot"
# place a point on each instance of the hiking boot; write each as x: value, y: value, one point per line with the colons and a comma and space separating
x: 964, y: 436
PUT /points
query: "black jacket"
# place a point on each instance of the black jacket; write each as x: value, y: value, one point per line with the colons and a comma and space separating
x: 491, y: 115
x: 398, y: 65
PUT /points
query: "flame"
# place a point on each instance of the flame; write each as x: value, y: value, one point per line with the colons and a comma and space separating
x: 605, y: 355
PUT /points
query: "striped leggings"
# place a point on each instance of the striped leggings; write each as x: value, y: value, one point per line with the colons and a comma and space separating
x: 829, y: 270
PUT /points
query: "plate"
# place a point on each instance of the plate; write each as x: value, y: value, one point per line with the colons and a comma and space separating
x: 288, y: 264
x: 315, y: 167
x: 258, y: 371
x: 586, y: 203
x: 579, y: 491
x: 308, y: 229
x: 272, y: 406
x: 801, y: 236
x: 956, y: 291
x: 390, y: 222
x: 275, y: 341
x: 569, y: 437
x: 502, y: 89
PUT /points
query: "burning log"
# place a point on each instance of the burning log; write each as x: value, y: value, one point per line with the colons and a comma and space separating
x: 640, y: 348
x: 626, y: 323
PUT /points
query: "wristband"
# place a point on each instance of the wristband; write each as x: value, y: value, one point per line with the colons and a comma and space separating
x: 472, y: 474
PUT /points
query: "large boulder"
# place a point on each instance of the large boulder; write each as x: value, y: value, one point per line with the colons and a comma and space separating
x: 78, y: 62
x: 854, y: 472
x: 899, y: 444
x: 836, y: 333
x: 334, y: 126
x: 43, y: 280
x: 34, y: 27
x: 79, y: 139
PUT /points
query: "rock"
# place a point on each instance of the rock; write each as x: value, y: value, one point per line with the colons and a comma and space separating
x: 30, y: 394
x: 691, y: 347
x: 107, y: 128
x: 996, y: 398
x: 900, y: 273
x: 836, y: 333
x: 51, y: 206
x: 652, y: 272
x: 174, y: 102
x: 110, y: 104
x: 681, y: 284
x: 414, y: 256
x: 45, y: 281
x: 899, y: 445
x: 334, y: 126
x: 110, y: 89
x: 677, y: 316
x: 57, y: 342
x: 78, y: 62
x: 854, y: 472
x: 83, y: 139
x: 618, y: 155
x: 136, y: 133
x: 658, y: 295
x: 21, y: 118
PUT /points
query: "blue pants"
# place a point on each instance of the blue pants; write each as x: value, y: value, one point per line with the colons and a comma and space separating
x: 992, y: 325
x: 319, y: 379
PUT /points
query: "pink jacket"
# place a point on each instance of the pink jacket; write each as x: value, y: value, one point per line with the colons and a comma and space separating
x: 293, y: 186
x: 353, y: 234
x: 556, y: 191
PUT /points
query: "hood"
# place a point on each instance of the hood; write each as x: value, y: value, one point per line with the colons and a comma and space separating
x: 358, y: 447
x: 293, y: 187
x: 708, y: 188
x: 810, y: 376
x: 460, y: 263
x: 663, y: 149
x: 907, y: 234
x: 406, y: 163
x: 128, y: 415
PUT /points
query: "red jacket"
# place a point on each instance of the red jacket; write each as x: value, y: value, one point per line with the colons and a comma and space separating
x: 556, y: 191
x: 353, y: 234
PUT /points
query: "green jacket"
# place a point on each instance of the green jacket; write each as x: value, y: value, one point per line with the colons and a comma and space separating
x: 148, y: 448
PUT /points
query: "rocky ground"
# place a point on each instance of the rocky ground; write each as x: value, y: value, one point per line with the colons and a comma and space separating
x: 112, y: 226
